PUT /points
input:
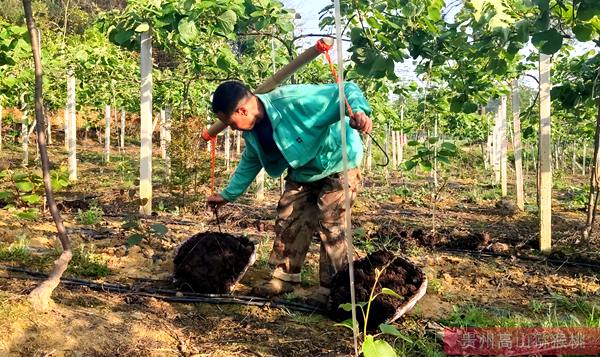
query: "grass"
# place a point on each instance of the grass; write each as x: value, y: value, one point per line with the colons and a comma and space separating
x: 91, y: 216
x: 559, y: 311
x: 434, y: 285
x: 18, y: 251
x: 88, y: 264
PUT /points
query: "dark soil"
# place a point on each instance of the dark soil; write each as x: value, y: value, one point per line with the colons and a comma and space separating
x: 212, y: 262
x: 399, y: 276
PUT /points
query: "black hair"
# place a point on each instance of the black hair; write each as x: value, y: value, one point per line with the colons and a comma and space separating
x: 227, y: 96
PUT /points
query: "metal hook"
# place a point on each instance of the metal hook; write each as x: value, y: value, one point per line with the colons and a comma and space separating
x: 387, y: 158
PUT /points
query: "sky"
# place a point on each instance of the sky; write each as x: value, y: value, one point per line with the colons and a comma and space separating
x: 309, y: 23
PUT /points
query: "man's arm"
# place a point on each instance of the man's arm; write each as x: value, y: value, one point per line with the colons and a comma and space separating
x: 356, y: 98
x: 243, y: 176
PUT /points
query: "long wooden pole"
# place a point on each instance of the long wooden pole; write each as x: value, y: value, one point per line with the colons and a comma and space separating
x: 517, y: 145
x: 545, y: 156
x: 272, y: 82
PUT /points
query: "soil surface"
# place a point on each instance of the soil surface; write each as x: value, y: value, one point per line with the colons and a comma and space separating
x: 393, y: 211
x: 397, y: 275
x: 212, y: 262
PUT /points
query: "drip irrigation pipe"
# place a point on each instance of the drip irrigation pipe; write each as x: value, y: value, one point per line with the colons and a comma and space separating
x: 558, y: 262
x: 170, y: 295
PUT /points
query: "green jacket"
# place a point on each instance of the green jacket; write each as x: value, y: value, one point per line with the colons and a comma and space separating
x: 306, y: 129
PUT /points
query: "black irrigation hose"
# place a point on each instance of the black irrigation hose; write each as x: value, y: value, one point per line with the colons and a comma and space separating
x: 170, y: 295
x: 558, y: 262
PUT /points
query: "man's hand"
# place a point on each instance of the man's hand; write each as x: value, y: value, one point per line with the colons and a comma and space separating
x: 215, y: 201
x: 361, y: 122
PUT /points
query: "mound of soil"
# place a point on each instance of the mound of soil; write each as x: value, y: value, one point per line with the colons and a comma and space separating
x: 399, y: 276
x: 212, y: 262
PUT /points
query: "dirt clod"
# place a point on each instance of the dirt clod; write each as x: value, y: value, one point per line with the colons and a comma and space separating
x: 212, y: 262
x: 398, y: 276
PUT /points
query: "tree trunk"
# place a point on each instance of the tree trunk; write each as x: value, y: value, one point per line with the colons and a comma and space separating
x: 40, y: 296
x: 146, y: 124
x: 594, y: 180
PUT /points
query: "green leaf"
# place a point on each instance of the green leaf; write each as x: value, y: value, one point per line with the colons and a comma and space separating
x: 130, y: 225
x: 345, y: 323
x: 5, y: 196
x: 24, y: 186
x: 432, y: 140
x: 469, y: 107
x: 412, y: 143
x: 390, y: 292
x: 31, y: 199
x: 522, y: 28
x: 548, y: 42
x: 434, y: 13
x: 389, y: 330
x: 228, y: 20
x: 377, y: 348
x: 392, y: 330
x: 409, y: 165
x: 187, y: 30
x: 122, y: 37
x: 449, y: 146
x: 134, y: 239
x: 143, y: 27
x: 587, y: 11
x: 426, y: 165
x: 29, y: 214
x: 583, y: 32
x: 444, y: 159
x: 346, y: 307
x: 159, y: 229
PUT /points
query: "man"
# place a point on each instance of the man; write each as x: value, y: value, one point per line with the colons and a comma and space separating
x: 297, y: 127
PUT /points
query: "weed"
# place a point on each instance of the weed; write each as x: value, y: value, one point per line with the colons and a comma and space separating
x: 491, y: 195
x: 470, y: 316
x: 86, y: 263
x: 415, y: 250
x: 307, y: 276
x: 536, y: 306
x: 91, y: 216
x: 17, y: 251
x: 435, y: 286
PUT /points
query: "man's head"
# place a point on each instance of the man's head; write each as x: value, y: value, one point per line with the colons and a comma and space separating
x: 235, y: 105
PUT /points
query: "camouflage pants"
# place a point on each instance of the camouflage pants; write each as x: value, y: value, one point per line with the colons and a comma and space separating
x: 306, y: 208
